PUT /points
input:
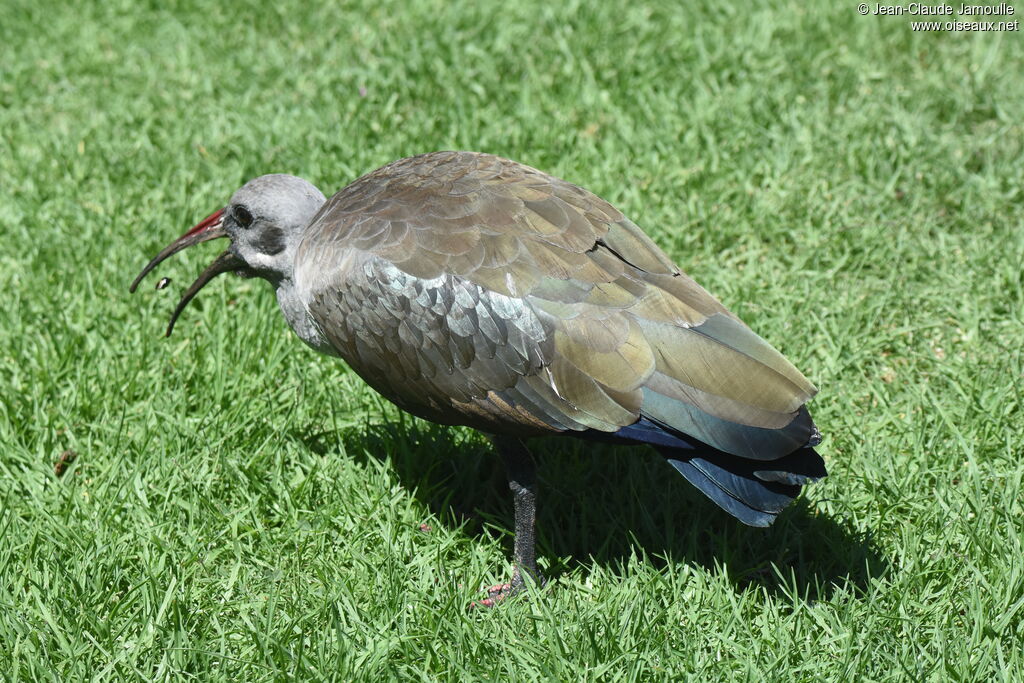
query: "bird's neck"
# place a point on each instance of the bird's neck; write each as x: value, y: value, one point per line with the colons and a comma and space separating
x: 298, y: 318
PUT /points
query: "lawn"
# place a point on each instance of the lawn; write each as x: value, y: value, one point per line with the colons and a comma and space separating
x: 227, y: 505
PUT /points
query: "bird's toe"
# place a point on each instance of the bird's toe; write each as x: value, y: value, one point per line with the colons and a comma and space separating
x: 498, y: 593
x: 498, y: 589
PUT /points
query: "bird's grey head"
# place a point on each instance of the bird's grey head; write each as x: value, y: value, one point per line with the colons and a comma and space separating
x: 264, y: 221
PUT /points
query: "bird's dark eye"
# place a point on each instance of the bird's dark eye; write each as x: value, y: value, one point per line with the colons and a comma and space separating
x: 243, y: 217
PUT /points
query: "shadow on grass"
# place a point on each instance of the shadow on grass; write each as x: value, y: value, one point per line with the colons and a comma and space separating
x: 605, y: 504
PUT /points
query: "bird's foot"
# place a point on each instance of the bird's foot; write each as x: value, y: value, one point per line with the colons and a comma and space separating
x: 497, y: 593
x: 502, y: 591
x: 499, y: 590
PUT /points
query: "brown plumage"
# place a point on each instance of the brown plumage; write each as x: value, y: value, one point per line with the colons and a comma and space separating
x: 469, y: 289
x: 472, y: 290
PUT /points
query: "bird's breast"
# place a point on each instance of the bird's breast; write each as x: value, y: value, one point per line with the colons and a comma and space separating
x: 299, y: 319
x: 441, y: 348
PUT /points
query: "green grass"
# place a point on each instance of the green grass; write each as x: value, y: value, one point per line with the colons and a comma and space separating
x: 242, y: 509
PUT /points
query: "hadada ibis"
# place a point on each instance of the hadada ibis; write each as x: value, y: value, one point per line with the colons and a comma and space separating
x: 473, y: 290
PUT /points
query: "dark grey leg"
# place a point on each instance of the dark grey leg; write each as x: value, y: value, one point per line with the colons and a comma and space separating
x: 522, y: 481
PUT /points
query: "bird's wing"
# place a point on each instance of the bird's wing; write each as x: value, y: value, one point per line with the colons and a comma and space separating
x: 591, y: 325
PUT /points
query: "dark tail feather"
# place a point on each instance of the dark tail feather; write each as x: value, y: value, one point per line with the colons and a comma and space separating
x: 709, y: 488
x: 753, y: 491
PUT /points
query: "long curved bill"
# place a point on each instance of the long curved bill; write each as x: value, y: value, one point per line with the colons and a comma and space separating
x: 210, y: 228
x: 225, y: 263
